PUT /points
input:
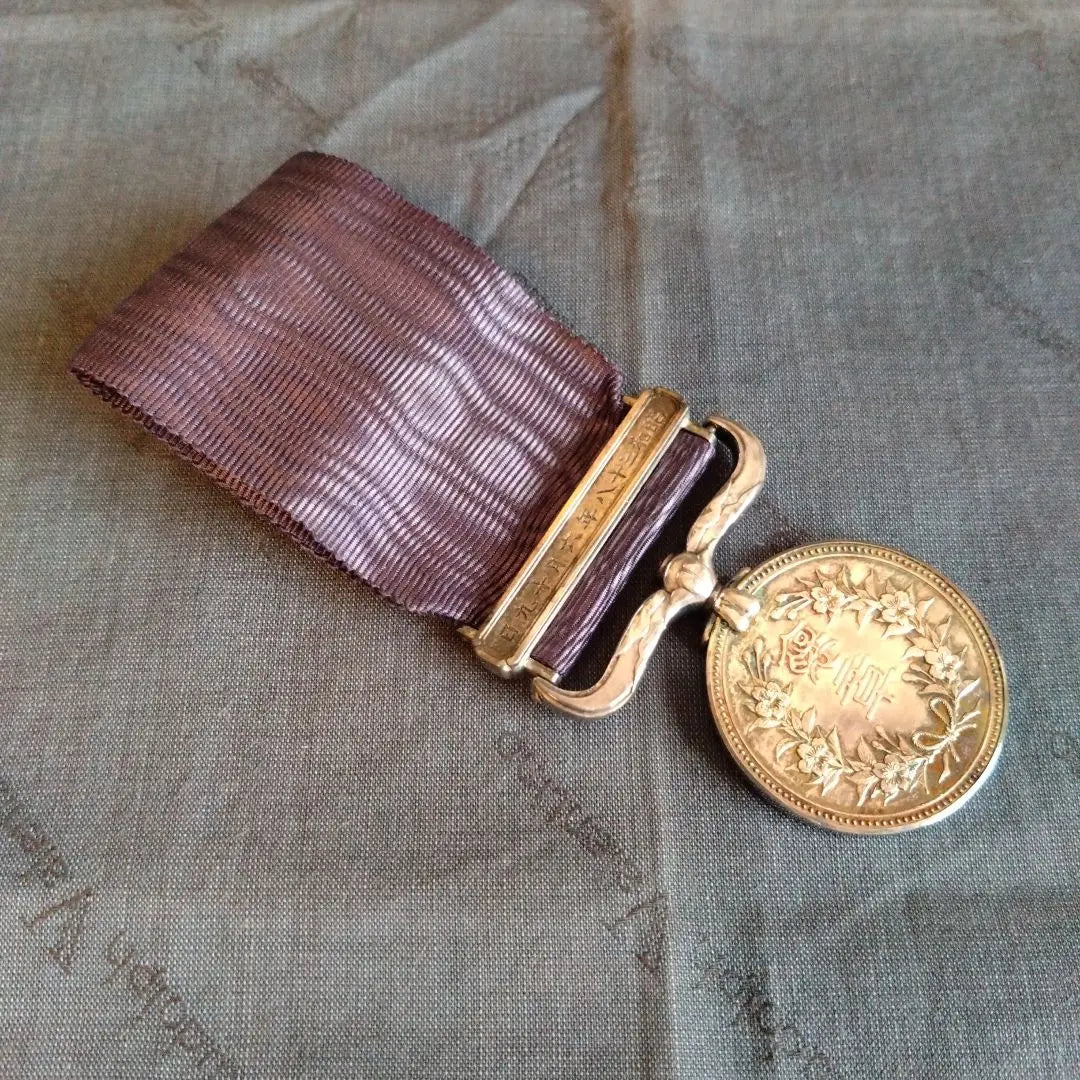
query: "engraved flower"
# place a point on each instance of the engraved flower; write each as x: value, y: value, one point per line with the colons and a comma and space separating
x: 818, y: 759
x: 898, y: 609
x: 895, y: 774
x: 771, y: 701
x: 944, y: 665
x: 814, y: 757
x: 827, y: 598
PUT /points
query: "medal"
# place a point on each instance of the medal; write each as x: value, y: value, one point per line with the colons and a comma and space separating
x: 853, y: 684
x: 866, y: 695
x: 368, y: 379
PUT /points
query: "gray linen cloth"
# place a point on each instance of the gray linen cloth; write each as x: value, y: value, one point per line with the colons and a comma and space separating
x: 258, y: 822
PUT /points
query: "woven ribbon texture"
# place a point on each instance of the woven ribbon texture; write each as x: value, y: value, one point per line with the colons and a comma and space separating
x: 365, y: 376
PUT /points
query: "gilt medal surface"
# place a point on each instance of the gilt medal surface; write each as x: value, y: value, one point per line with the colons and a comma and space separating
x: 852, y: 683
x: 866, y: 695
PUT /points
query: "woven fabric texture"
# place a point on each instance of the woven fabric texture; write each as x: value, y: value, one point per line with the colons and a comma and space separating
x: 257, y: 821
x: 372, y: 382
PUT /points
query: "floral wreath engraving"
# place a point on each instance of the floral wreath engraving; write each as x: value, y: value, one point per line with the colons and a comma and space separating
x: 890, y: 763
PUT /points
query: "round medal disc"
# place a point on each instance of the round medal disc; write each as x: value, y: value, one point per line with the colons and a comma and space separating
x: 867, y: 695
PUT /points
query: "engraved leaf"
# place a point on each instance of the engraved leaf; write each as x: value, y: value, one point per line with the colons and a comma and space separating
x: 966, y: 689
x: 828, y: 782
x: 791, y: 609
x: 785, y: 747
x: 935, y: 689
x: 924, y: 607
x: 834, y: 742
x: 648, y: 620
x: 724, y: 508
x: 759, y: 654
x: 809, y: 721
x: 867, y: 788
x: 864, y: 753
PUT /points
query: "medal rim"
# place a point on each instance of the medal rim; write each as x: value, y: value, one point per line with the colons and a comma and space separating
x: 786, y: 796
